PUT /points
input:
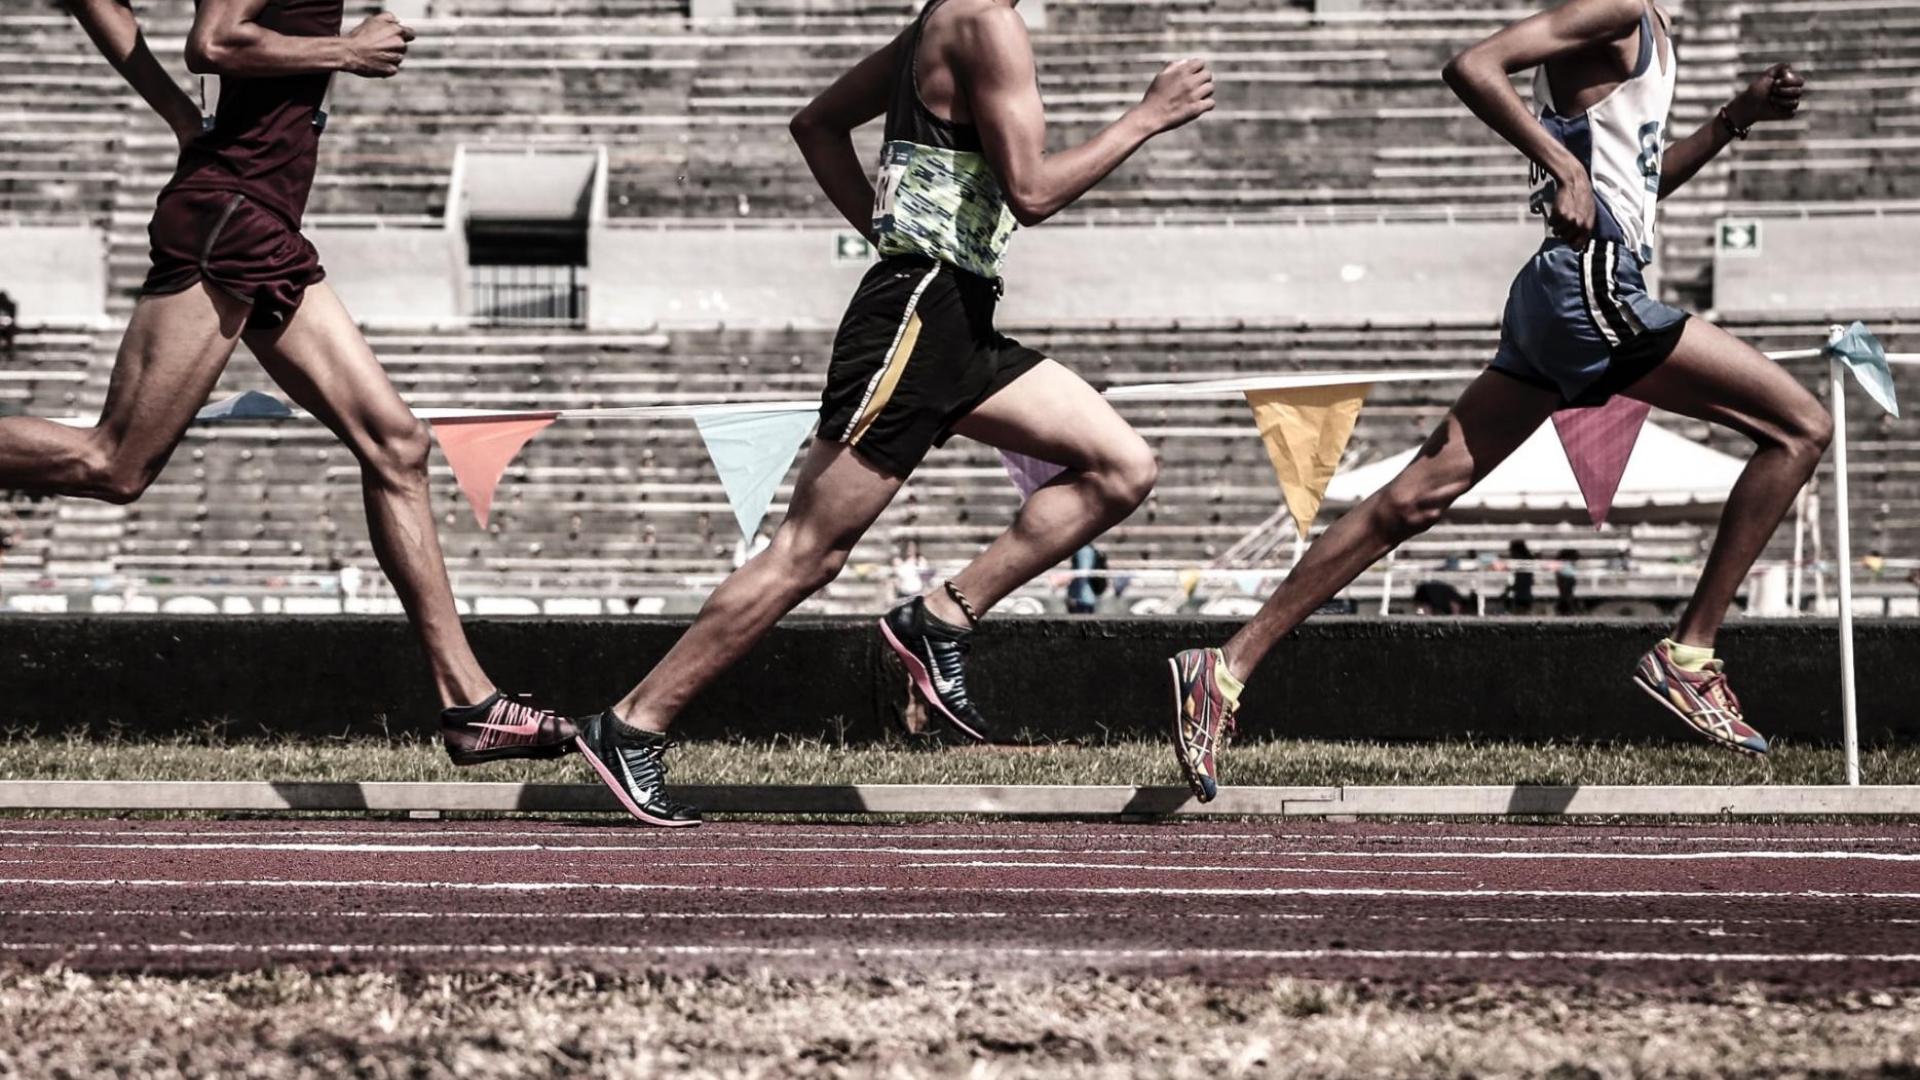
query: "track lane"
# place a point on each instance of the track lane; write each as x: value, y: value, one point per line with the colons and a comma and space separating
x: 1673, y: 907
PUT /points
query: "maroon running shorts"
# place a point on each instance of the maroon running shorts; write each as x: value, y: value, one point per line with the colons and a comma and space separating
x: 231, y: 242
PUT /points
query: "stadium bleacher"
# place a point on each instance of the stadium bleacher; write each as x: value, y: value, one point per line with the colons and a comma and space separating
x: 1317, y: 115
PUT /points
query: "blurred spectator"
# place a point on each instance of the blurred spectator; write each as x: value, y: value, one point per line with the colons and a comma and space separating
x: 1875, y: 563
x: 1566, y: 579
x: 1089, y: 580
x: 349, y: 584
x: 745, y: 550
x: 910, y: 571
x: 1469, y: 561
x: 1520, y: 588
x: 9, y: 322
x: 1440, y: 598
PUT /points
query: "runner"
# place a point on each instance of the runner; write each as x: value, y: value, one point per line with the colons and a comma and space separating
x: 918, y: 359
x: 229, y: 264
x: 1579, y: 328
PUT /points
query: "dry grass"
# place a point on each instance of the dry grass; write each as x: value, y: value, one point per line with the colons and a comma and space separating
x: 811, y: 762
x: 290, y: 1023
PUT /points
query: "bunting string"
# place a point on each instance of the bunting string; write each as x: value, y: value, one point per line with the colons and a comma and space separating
x: 1304, y: 420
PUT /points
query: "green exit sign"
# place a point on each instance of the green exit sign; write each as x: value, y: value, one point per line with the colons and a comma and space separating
x: 851, y: 247
x: 1739, y: 236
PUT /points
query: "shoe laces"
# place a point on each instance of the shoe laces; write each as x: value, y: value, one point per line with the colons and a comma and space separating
x: 513, y: 709
x: 1715, y: 688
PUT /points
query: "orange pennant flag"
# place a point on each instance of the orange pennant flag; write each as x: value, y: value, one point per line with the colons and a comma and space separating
x: 1306, y: 431
x: 479, y: 450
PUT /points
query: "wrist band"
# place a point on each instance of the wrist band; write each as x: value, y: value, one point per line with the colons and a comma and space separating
x: 1734, y: 129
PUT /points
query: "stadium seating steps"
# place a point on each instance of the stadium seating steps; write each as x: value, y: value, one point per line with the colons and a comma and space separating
x: 620, y: 507
x: 1315, y: 113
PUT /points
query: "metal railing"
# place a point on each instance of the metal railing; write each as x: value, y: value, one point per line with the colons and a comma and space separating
x: 528, y: 295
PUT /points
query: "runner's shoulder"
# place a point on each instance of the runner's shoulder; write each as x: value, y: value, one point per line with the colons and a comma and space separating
x: 983, y: 24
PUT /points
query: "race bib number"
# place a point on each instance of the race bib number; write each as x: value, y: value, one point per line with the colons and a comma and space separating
x: 893, y: 170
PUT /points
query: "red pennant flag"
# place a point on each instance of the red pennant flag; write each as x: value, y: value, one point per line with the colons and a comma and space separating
x: 479, y: 450
x: 1598, y: 442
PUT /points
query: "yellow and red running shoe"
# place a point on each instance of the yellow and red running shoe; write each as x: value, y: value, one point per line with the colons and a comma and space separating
x: 1701, y: 698
x: 1205, y: 695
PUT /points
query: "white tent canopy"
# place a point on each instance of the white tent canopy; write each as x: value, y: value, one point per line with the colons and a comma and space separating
x: 1669, y: 477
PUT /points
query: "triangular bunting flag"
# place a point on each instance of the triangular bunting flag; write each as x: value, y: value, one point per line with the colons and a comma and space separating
x: 1029, y: 474
x: 1862, y: 353
x: 1598, y: 441
x: 480, y: 451
x: 1306, y: 430
x: 246, y: 405
x: 751, y: 452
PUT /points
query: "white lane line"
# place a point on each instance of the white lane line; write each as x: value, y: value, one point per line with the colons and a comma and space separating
x: 1174, y: 833
x: 915, y: 952
x: 959, y: 890
x: 982, y: 864
x: 547, y: 915
x: 1516, y: 856
x: 1494, y: 856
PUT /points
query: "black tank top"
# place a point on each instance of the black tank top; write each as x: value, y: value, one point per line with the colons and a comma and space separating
x: 936, y: 195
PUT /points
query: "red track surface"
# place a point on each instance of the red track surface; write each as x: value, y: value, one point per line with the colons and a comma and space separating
x: 1815, y: 907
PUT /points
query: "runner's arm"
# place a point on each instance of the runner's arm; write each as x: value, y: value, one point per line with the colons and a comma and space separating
x: 1775, y: 95
x: 995, y: 63
x: 824, y: 132
x: 116, y: 33
x: 227, y: 39
x: 1482, y: 77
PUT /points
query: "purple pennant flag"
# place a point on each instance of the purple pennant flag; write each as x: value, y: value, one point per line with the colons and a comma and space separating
x: 1029, y: 474
x: 1598, y: 442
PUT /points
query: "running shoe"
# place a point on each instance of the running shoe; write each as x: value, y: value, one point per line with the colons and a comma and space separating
x: 502, y: 729
x: 633, y: 765
x: 1701, y: 698
x: 935, y: 654
x: 1205, y: 695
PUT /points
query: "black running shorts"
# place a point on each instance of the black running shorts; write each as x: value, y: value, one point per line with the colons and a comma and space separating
x: 916, y: 352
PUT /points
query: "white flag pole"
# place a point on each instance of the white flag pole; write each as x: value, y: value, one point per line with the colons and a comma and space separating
x: 1843, y: 563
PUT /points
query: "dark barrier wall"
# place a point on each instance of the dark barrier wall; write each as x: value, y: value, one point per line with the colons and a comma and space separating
x: 1338, y: 677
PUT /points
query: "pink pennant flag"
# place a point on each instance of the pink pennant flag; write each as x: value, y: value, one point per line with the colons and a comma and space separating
x: 1598, y: 442
x: 1029, y: 474
x: 479, y: 450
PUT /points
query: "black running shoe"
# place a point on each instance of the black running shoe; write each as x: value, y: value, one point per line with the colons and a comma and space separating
x: 935, y: 653
x: 633, y: 765
x: 502, y: 729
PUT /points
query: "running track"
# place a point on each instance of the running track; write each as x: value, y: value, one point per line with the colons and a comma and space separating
x: 1831, y: 907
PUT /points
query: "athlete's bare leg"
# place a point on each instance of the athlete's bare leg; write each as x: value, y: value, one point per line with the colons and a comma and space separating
x: 1489, y: 422
x: 172, y: 355
x: 1715, y: 376
x: 836, y: 500
x: 324, y: 364
x: 1051, y: 414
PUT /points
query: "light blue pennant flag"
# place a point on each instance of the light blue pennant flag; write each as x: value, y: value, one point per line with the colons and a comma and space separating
x: 1867, y: 359
x: 246, y: 405
x: 751, y: 452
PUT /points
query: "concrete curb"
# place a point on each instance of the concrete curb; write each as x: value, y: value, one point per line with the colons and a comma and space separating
x: 1021, y: 801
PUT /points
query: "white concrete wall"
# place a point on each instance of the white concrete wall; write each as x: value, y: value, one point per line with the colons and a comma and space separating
x: 1839, y: 267
x: 394, y: 277
x: 644, y: 277
x: 57, y: 274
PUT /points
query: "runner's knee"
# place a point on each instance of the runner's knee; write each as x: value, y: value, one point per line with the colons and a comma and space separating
x: 1128, y: 476
x: 1407, y: 510
x: 106, y: 473
x: 397, y: 450
x: 1812, y: 430
x: 804, y: 563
